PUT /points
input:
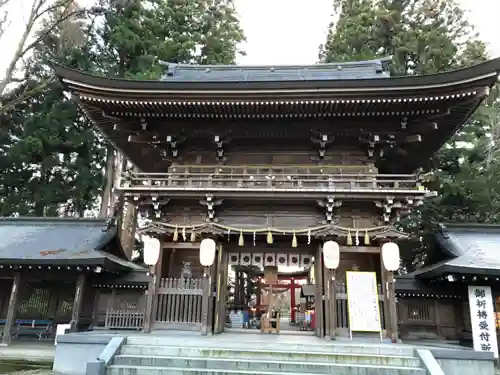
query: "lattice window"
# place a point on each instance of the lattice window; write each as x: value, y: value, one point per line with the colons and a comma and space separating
x: 420, y: 311
x: 65, y: 302
x: 35, y: 304
x: 129, y: 301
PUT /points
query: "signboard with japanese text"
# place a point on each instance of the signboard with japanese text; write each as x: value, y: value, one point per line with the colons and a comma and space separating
x: 362, y: 302
x: 482, y: 317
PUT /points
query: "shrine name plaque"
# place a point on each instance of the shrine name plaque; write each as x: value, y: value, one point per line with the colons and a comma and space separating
x: 362, y: 302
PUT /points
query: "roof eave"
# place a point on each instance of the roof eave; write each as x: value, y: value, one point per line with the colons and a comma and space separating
x: 486, y: 72
x: 449, y: 269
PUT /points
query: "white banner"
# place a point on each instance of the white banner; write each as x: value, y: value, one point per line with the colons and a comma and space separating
x: 482, y: 318
x: 362, y: 302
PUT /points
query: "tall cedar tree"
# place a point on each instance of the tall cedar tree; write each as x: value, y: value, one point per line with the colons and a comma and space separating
x: 424, y: 37
x: 135, y: 39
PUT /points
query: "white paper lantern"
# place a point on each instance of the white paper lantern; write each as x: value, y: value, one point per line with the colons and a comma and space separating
x: 207, y: 252
x: 151, y: 250
x: 390, y: 256
x: 331, y: 255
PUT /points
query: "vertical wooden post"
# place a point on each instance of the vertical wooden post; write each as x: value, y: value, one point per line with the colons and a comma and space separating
x: 214, y: 271
x: 11, y: 311
x: 158, y: 270
x: 219, y: 298
x: 385, y: 293
x: 205, y: 301
x: 148, y: 315
x: 171, y: 263
x: 393, y: 309
x: 95, y: 310
x: 77, y: 303
x: 292, y: 300
x: 328, y: 302
x: 333, y: 304
x: 318, y: 275
x: 225, y: 276
x: 151, y: 300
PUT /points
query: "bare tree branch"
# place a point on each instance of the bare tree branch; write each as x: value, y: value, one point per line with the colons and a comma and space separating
x: 26, y: 94
x: 39, y: 11
x: 4, y: 14
x: 49, y: 29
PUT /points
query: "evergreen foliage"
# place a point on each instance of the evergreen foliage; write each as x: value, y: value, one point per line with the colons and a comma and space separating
x: 52, y: 161
x: 425, y: 37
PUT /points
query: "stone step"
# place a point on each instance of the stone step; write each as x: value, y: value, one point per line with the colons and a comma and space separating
x: 252, y: 351
x: 129, y: 354
x: 264, y: 364
x: 335, y: 369
x: 327, y: 347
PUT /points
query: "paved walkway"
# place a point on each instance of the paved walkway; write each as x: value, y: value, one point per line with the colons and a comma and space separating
x: 36, y: 351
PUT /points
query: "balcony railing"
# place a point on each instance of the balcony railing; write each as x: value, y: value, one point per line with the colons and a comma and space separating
x: 274, y: 178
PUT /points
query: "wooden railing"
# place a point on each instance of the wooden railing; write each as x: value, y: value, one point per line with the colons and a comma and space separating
x: 267, y: 178
x: 124, y: 319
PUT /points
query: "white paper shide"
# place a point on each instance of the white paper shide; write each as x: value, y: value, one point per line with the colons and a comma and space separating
x: 482, y: 319
x: 362, y: 302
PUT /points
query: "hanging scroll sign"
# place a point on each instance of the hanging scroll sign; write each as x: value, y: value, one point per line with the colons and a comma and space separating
x: 362, y: 302
x: 482, y: 319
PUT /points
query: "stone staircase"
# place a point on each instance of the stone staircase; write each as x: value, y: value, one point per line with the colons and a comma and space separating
x: 156, y: 356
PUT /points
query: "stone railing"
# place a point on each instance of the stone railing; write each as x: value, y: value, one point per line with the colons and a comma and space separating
x: 274, y: 178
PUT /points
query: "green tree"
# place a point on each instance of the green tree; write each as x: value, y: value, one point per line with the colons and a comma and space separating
x: 134, y: 39
x: 51, y: 159
x: 424, y: 37
x: 51, y: 155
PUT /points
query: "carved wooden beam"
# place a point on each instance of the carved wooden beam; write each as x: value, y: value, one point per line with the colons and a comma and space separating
x: 210, y: 202
x: 329, y: 205
x: 321, y: 140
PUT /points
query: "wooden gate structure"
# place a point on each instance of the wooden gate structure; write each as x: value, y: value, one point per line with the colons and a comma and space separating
x: 179, y: 303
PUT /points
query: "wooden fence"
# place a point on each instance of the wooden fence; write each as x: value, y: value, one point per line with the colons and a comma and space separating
x: 179, y: 302
x: 124, y: 319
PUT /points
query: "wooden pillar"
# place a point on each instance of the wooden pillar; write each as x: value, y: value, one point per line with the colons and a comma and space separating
x: 332, y: 305
x: 11, y: 311
x: 328, y: 304
x: 223, y: 291
x: 393, y: 308
x: 148, y: 315
x: 170, y: 263
x: 212, y: 299
x: 205, y: 301
x: 385, y: 293
x: 219, y: 299
x: 318, y: 275
x: 151, y: 300
x: 95, y: 310
x: 292, y: 299
x: 77, y: 303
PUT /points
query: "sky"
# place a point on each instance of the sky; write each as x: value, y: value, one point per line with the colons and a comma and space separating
x: 290, y: 31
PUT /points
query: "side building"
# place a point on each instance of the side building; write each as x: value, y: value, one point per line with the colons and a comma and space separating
x: 65, y: 271
x: 271, y: 162
x: 434, y: 300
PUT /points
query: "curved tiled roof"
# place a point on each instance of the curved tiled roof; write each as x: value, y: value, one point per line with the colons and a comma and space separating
x: 238, y: 73
x: 58, y: 241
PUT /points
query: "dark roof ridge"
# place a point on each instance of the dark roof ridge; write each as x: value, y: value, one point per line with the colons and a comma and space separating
x: 469, y: 227
x: 316, y: 66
